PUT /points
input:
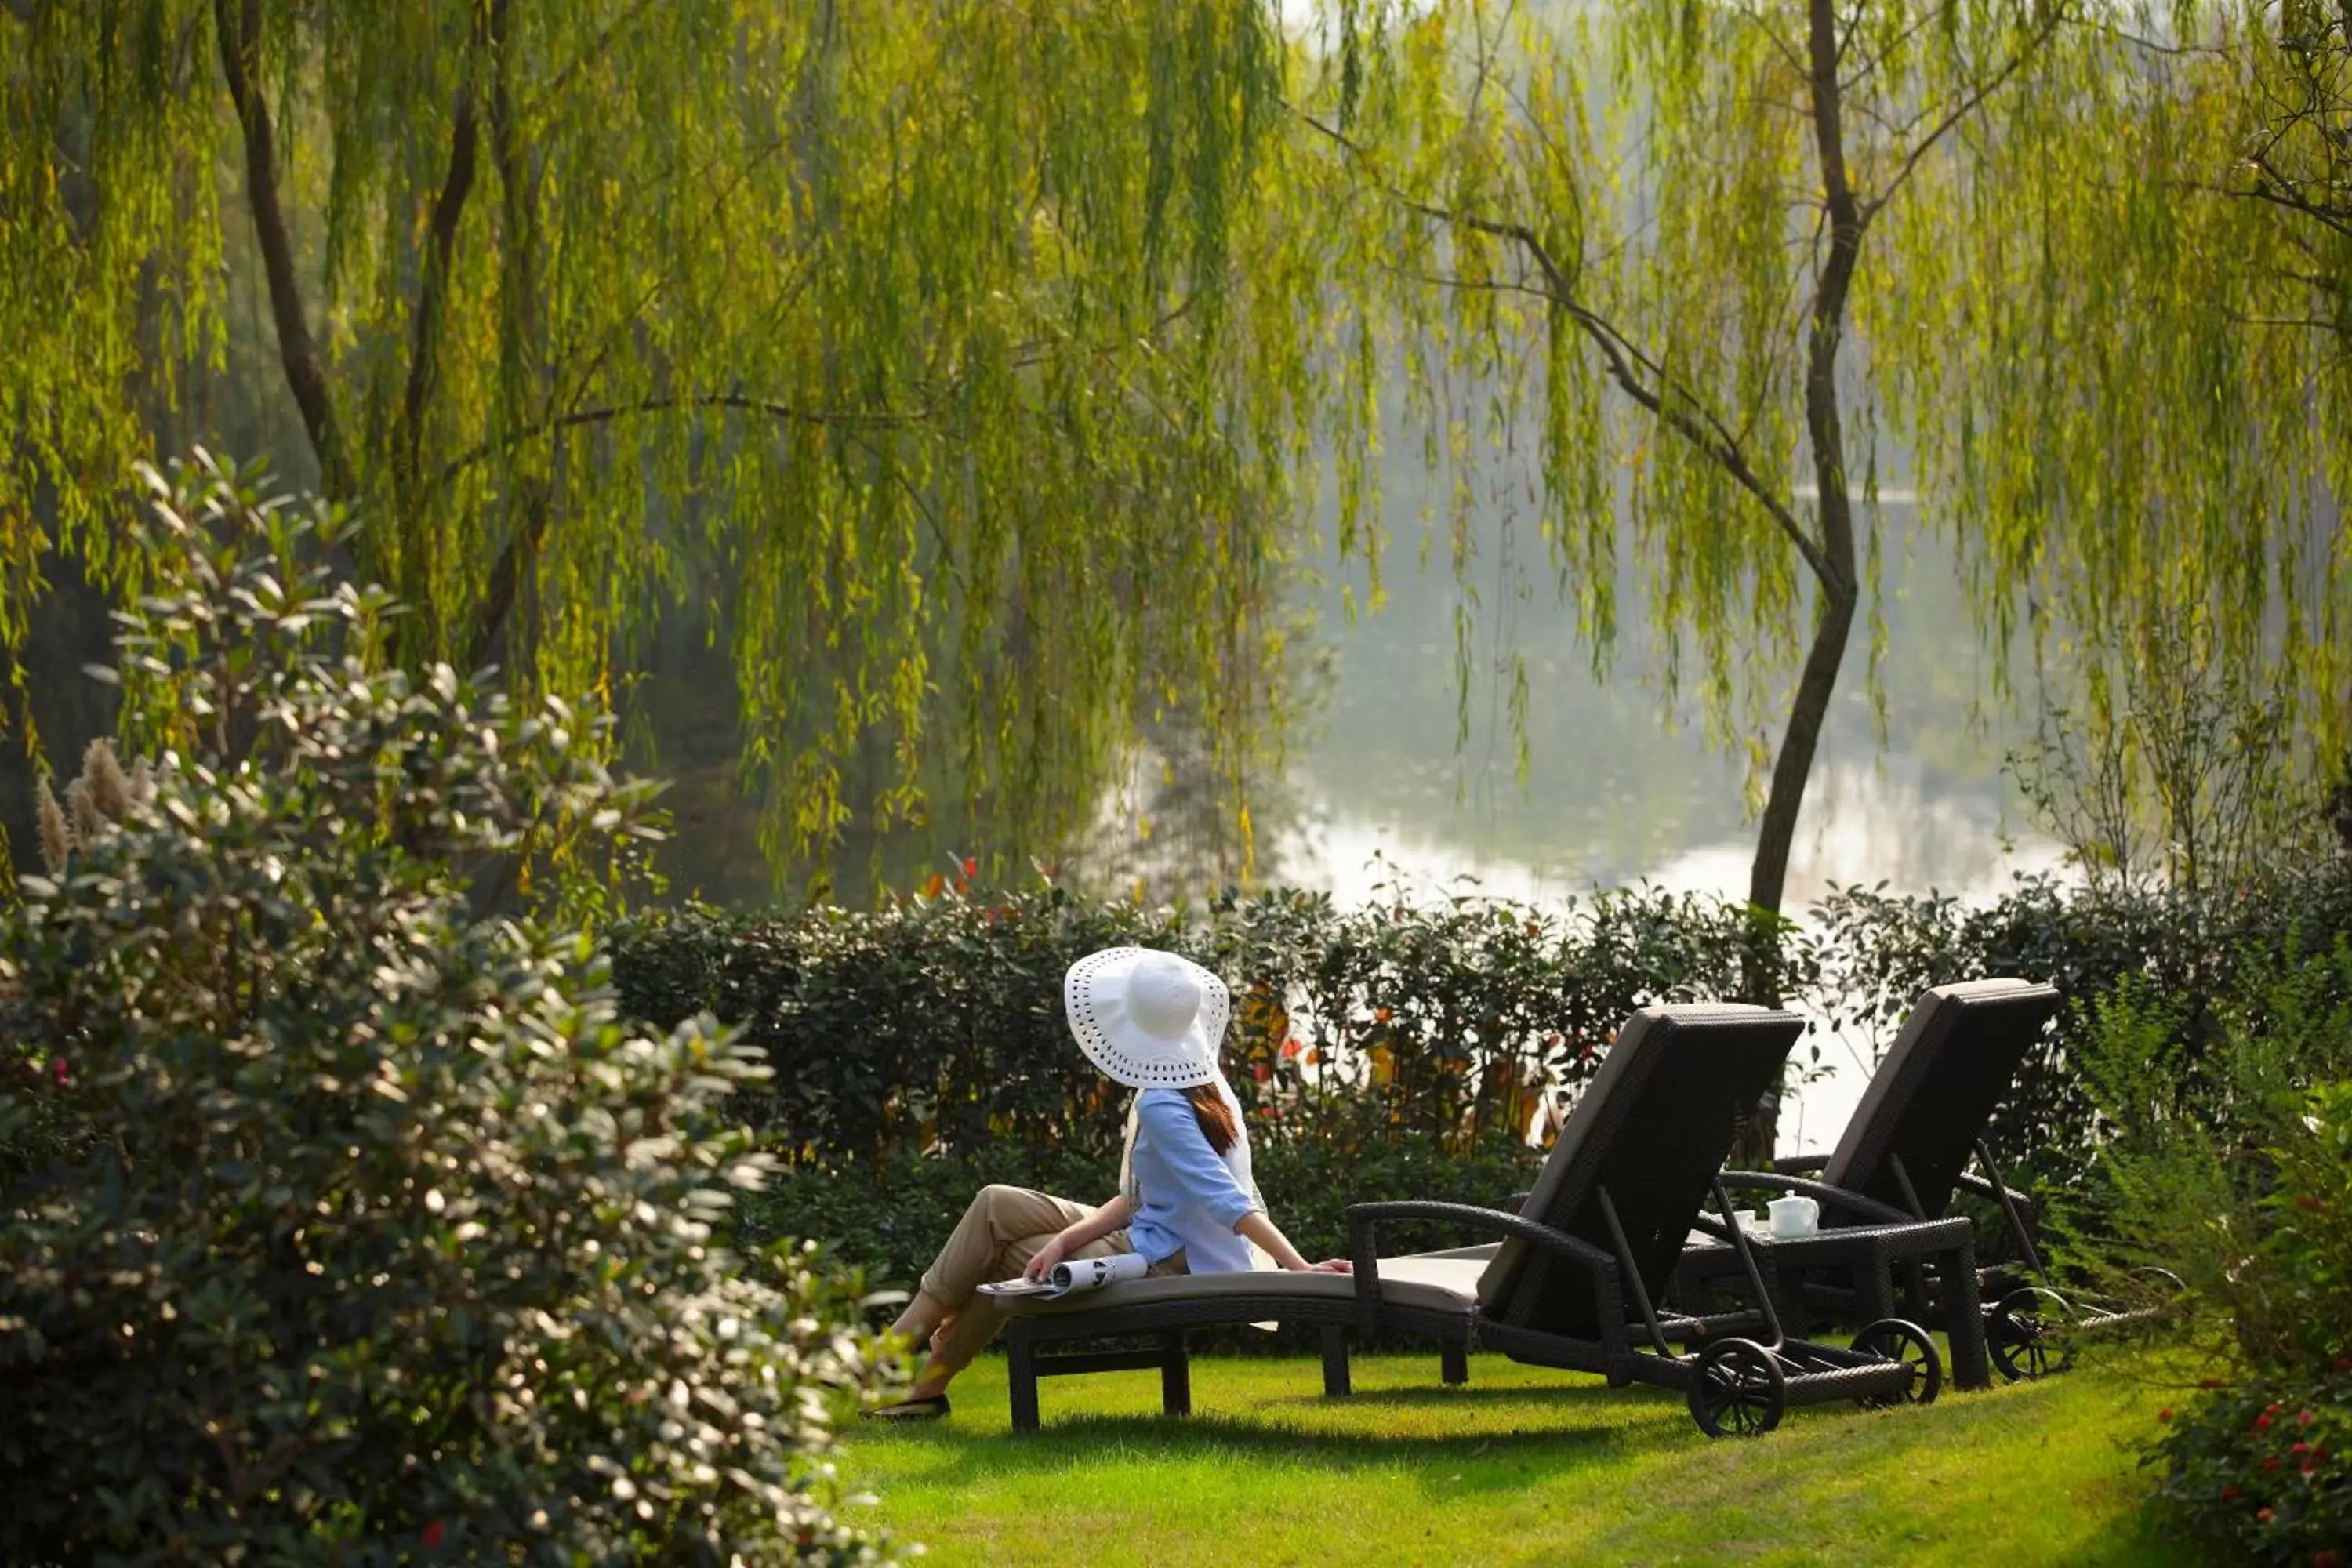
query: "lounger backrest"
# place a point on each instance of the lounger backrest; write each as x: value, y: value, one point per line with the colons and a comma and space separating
x: 1930, y: 1099
x: 1652, y: 1128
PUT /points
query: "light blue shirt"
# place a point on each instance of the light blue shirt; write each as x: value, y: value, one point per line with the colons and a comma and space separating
x: 1187, y: 1194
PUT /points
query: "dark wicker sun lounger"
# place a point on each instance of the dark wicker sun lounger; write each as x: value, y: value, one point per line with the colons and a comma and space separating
x: 1575, y: 1280
x: 1636, y: 1157
x: 1904, y: 1157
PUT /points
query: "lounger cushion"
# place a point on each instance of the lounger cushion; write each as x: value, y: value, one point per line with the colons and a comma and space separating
x: 1431, y: 1280
x: 1931, y: 1099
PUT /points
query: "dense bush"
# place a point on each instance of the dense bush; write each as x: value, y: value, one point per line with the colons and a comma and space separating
x: 936, y: 1024
x: 1877, y: 951
x: 376, y: 1237
x: 2232, y: 1167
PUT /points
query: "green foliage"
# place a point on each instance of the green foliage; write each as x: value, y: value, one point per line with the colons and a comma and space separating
x: 2232, y: 1166
x: 936, y: 1024
x: 889, y: 336
x: 2188, y: 774
x: 375, y: 1235
x: 1726, y: 274
x: 1880, y: 950
x: 986, y: 447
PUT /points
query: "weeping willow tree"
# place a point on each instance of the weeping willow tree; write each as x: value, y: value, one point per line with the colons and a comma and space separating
x: 1712, y: 262
x: 971, y: 351
x: 910, y: 327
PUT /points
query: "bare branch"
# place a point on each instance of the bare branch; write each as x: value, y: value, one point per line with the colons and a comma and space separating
x: 2152, y: 47
x: 878, y: 419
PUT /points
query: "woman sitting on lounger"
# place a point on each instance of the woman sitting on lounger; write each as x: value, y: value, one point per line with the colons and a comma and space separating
x: 1153, y: 1021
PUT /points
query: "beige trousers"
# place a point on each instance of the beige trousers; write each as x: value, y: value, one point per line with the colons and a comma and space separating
x: 999, y: 1234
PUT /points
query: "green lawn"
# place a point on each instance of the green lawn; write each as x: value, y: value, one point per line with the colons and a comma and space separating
x: 1522, y: 1466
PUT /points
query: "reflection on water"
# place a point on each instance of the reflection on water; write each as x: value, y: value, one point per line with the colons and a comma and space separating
x: 1859, y: 825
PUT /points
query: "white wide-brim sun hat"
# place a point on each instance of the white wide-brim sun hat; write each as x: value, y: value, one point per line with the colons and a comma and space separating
x: 1147, y: 1019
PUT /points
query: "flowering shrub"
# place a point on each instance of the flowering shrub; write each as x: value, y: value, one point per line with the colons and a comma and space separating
x: 342, y: 1226
x: 2234, y: 1171
x: 2265, y: 1471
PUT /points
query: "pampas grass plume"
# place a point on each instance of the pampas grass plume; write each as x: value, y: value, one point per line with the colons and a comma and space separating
x: 57, y: 838
x: 109, y: 791
x: 88, y: 825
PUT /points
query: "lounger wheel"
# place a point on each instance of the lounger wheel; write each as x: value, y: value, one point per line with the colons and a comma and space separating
x: 2023, y: 1333
x: 1738, y: 1389
x: 1892, y: 1338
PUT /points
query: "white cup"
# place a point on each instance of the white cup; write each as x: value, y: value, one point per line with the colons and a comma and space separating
x: 1794, y: 1217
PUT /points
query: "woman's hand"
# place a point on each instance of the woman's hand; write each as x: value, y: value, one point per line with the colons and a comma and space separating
x: 1330, y: 1266
x: 1052, y: 1253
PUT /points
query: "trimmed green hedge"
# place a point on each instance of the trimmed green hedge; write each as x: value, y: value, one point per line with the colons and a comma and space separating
x: 919, y: 1049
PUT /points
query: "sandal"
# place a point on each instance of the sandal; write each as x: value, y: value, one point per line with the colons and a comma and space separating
x: 929, y: 1409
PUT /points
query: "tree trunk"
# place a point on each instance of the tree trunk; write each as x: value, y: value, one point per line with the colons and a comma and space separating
x: 1836, y: 587
x: 238, y: 33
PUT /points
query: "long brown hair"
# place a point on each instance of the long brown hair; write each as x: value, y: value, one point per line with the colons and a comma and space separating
x: 1215, y: 1117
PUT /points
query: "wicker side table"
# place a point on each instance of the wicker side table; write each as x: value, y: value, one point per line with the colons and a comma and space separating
x: 1862, y: 1257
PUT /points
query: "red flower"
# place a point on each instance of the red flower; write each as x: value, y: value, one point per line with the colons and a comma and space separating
x: 2310, y: 1468
x: 1381, y: 1015
x: 2228, y: 1494
x: 2271, y: 1463
x: 2300, y: 1448
x: 1290, y: 1048
x: 2264, y: 1516
x: 57, y: 1071
x: 2304, y: 1419
x: 2326, y: 1560
x: 2272, y: 1408
x: 971, y: 865
x: 1262, y: 1072
x: 2165, y: 1414
x: 2262, y: 1421
x: 433, y: 1533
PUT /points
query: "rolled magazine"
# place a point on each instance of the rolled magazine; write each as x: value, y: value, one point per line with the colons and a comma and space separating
x: 1080, y: 1274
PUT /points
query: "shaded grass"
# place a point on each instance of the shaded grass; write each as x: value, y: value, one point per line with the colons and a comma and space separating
x: 1524, y: 1465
